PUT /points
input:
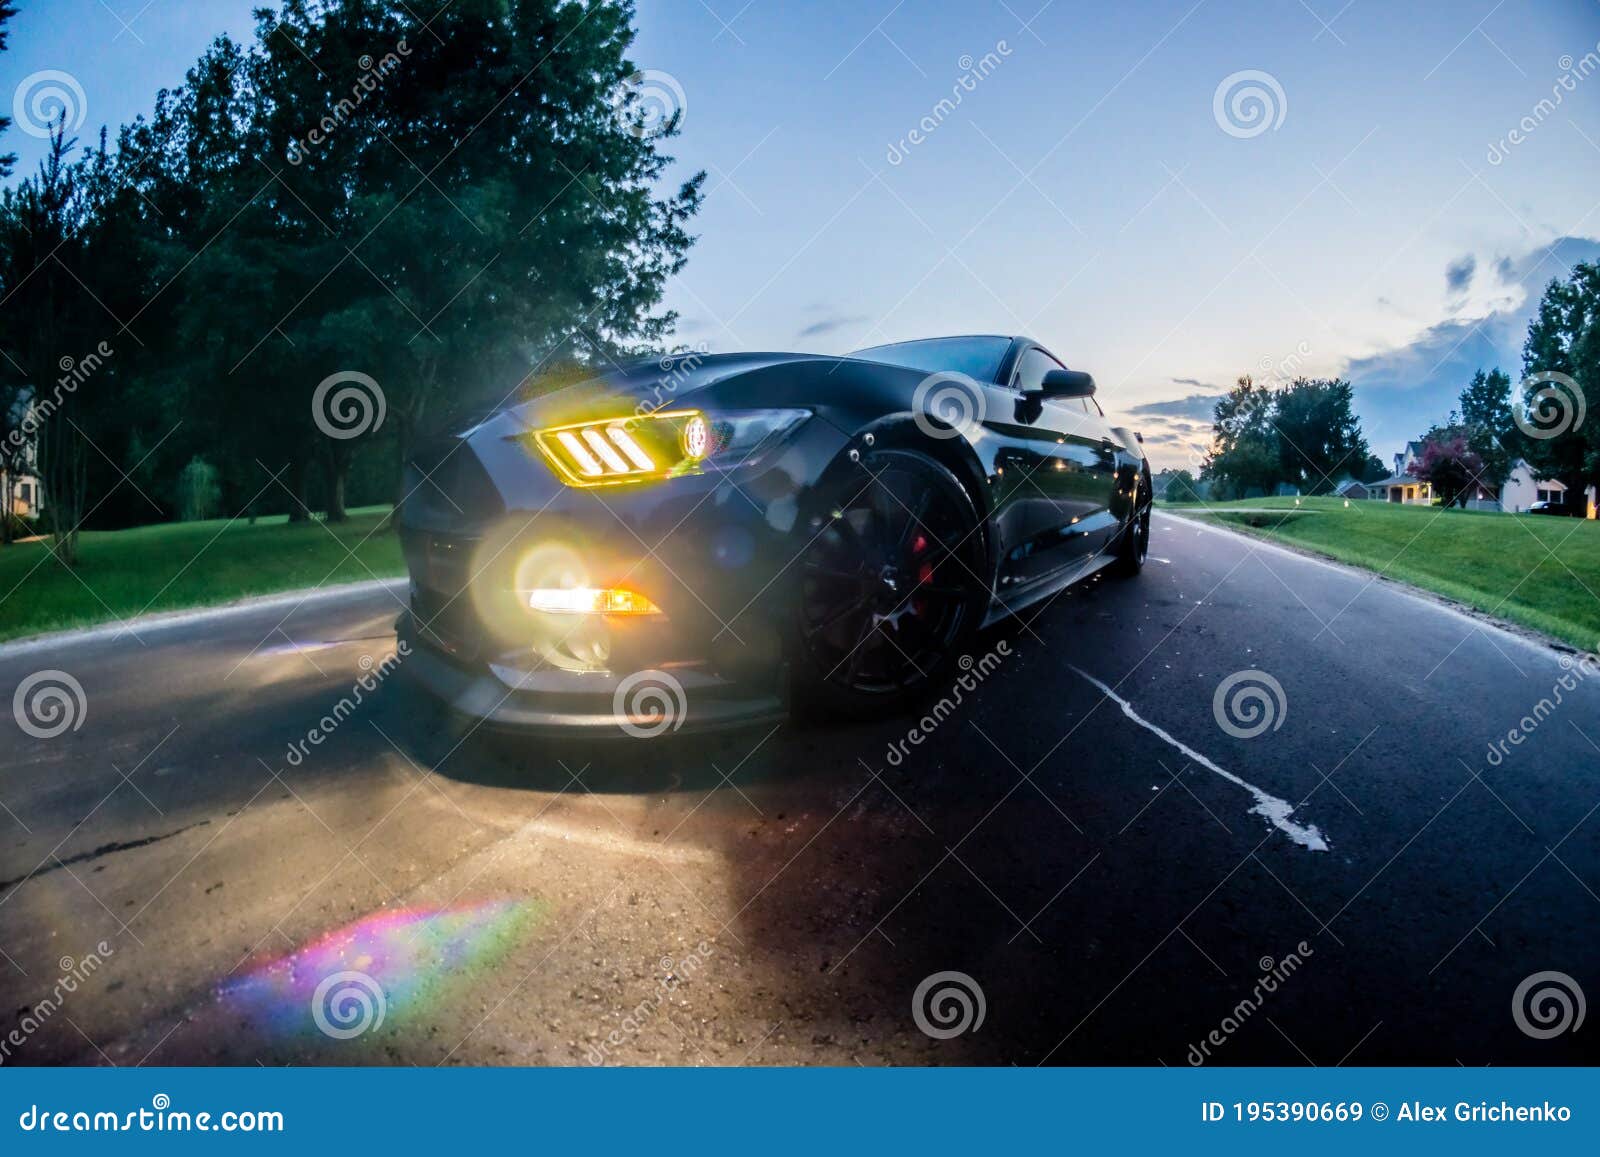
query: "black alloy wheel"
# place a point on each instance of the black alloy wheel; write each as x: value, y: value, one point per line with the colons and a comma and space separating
x: 889, y: 584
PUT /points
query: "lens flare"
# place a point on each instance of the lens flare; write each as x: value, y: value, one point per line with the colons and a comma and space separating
x: 407, y: 959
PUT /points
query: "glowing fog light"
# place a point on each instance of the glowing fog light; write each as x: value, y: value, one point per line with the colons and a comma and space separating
x: 590, y: 601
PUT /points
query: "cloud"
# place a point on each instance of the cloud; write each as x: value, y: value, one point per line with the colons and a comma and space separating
x: 829, y: 324
x: 1458, y: 275
x: 1403, y: 391
x: 1197, y: 406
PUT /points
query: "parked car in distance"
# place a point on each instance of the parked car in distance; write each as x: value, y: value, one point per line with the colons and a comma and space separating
x: 1566, y: 509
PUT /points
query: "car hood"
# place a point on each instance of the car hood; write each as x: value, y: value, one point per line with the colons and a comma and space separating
x: 639, y: 387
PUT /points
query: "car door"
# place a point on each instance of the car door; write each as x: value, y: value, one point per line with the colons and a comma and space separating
x: 1053, y: 483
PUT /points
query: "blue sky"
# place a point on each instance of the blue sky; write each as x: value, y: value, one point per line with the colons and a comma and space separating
x: 1084, y: 189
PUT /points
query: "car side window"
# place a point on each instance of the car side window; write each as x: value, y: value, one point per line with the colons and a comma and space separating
x: 1031, y: 369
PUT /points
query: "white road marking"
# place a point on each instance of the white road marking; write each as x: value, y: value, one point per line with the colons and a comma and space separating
x: 1274, y: 810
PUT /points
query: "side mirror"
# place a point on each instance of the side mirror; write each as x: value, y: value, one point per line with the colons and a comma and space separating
x: 1067, y: 384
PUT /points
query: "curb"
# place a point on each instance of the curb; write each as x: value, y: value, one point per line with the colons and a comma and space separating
x: 164, y: 619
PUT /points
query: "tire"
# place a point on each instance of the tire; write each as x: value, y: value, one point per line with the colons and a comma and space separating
x: 889, y: 586
x: 1133, y: 545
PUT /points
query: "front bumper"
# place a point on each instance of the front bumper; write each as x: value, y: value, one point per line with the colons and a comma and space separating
x: 600, y: 705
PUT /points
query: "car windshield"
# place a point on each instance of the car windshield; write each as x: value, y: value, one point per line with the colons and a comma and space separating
x: 977, y: 357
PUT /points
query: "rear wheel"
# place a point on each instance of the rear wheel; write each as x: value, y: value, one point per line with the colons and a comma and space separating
x: 1134, y: 544
x: 889, y: 585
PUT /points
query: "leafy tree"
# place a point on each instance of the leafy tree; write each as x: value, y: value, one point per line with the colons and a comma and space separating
x: 1181, y: 487
x: 199, y: 496
x: 1563, y: 439
x: 1305, y: 433
x: 7, y: 160
x: 1319, y: 435
x: 1486, y: 421
x: 447, y: 215
x: 469, y: 208
x: 1373, y: 469
x: 1449, y: 464
x: 1244, y: 451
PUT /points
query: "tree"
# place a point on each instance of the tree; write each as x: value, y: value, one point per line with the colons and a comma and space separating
x: 1487, y: 423
x: 1319, y: 435
x: 442, y: 217
x: 1562, y: 437
x: 1244, y: 457
x: 1181, y: 487
x: 1449, y: 465
x: 1305, y: 433
x: 7, y: 160
x: 1373, y: 469
x: 445, y: 217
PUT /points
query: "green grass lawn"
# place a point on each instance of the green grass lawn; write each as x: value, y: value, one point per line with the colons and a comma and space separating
x: 1541, y: 572
x: 187, y: 564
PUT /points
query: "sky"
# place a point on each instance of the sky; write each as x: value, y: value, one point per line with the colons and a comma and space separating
x: 1082, y: 173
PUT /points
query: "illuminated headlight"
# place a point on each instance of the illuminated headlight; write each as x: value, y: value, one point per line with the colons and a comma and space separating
x: 662, y: 444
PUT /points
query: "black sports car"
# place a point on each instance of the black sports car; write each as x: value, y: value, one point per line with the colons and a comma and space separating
x: 710, y: 539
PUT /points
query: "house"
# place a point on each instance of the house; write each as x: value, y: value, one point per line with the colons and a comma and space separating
x: 1523, y: 489
x: 1350, y: 488
x: 1401, y: 486
x: 21, y: 492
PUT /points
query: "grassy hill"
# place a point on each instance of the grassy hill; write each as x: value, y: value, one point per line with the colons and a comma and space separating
x: 187, y: 564
x: 1541, y: 572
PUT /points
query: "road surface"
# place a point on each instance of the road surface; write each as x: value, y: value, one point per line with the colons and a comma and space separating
x: 1122, y: 871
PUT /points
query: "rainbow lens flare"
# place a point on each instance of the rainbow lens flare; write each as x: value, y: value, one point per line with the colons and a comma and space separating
x: 406, y: 959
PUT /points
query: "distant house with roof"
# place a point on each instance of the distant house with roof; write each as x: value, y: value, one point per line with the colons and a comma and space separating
x: 1402, y: 486
x: 1522, y: 488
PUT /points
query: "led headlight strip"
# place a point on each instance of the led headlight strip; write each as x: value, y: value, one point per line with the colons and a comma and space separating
x: 629, y: 449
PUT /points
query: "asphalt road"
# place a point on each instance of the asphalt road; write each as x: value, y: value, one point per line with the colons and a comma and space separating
x: 1115, y: 874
